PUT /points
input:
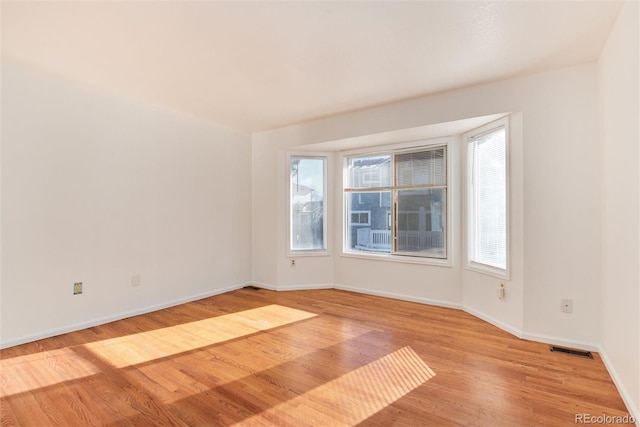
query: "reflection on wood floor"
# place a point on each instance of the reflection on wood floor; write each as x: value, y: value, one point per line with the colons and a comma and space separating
x: 316, y: 357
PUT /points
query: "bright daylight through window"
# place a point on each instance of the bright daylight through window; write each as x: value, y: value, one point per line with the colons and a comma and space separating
x: 487, y: 198
x: 396, y: 202
x: 307, y: 203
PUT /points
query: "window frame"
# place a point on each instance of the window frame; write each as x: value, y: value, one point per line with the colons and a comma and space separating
x: 392, y: 149
x: 326, y: 200
x: 469, y: 196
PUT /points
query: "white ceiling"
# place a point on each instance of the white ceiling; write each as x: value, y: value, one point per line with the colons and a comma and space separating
x: 262, y: 65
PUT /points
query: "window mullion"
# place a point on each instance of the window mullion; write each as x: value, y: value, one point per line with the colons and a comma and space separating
x: 394, y: 222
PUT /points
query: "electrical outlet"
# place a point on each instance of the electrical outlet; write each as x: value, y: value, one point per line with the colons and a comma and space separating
x: 77, y: 288
x: 566, y: 305
x: 501, y: 291
x: 293, y: 263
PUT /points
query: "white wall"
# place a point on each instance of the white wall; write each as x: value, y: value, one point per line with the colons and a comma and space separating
x: 557, y: 248
x: 619, y: 73
x: 97, y: 189
x: 562, y: 209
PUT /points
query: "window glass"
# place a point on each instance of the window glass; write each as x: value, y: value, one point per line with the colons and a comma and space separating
x: 369, y: 172
x: 420, y: 168
x: 405, y: 208
x: 420, y: 224
x: 373, y: 235
x: 488, y: 199
x: 307, y: 203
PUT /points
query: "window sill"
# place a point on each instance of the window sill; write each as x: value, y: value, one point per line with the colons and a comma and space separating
x: 308, y: 253
x: 490, y: 271
x: 399, y: 258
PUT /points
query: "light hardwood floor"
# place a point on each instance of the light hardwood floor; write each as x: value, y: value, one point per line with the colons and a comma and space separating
x: 317, y: 357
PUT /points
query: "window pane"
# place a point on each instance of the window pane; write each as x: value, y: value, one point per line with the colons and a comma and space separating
x: 490, y: 200
x: 307, y: 203
x: 421, y: 168
x: 401, y: 194
x: 421, y: 222
x: 369, y: 172
x: 369, y: 221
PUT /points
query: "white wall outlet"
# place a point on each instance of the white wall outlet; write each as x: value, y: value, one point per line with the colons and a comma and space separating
x: 293, y: 263
x: 135, y: 280
x: 566, y: 305
x: 501, y: 291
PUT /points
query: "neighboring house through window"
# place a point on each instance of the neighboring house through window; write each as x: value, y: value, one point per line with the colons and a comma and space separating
x: 404, y: 196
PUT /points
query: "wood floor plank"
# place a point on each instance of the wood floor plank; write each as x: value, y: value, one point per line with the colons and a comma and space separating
x: 317, y: 358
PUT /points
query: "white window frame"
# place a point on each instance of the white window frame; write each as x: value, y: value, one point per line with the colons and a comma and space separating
x: 446, y: 261
x: 326, y: 200
x: 468, y: 215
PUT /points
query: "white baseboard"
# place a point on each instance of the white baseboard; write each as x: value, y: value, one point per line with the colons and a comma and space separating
x: 114, y: 317
x: 304, y: 287
x: 265, y: 286
x: 546, y: 339
x: 293, y: 287
x: 495, y: 322
x: 624, y: 393
x: 401, y: 297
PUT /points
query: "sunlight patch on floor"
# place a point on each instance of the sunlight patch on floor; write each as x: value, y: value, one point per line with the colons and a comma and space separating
x: 253, y: 356
x: 47, y: 368
x: 352, y: 397
x: 152, y: 345
x: 34, y: 371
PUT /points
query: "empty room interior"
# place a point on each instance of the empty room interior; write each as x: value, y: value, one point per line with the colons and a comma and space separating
x: 320, y: 213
